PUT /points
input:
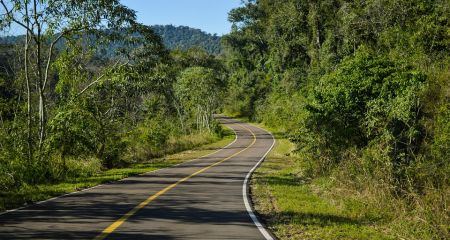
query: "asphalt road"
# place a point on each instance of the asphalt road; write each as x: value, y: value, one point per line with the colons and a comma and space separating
x: 200, y: 199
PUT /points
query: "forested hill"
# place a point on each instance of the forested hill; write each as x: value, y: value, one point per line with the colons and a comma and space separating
x: 185, y: 37
x: 182, y: 37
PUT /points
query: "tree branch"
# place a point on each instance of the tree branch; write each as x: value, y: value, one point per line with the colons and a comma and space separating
x: 9, y: 14
x: 50, y: 52
x: 98, y: 79
x: 52, y: 45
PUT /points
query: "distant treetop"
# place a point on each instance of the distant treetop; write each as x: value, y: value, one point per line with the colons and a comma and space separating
x: 184, y: 37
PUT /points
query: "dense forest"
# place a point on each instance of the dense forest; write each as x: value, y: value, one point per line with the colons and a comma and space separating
x: 361, y: 87
x: 180, y: 37
x: 184, y: 37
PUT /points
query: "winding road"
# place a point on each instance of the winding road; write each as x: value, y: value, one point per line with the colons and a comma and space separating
x: 205, y: 198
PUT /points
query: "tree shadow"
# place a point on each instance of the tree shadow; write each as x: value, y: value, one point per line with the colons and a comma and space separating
x: 285, y: 180
x: 316, y: 219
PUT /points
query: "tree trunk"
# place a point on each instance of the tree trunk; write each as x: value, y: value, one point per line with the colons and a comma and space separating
x: 42, y: 102
x: 181, y: 118
x: 27, y: 80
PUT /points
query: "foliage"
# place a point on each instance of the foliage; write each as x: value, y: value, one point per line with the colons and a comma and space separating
x: 361, y: 87
x: 184, y: 38
x: 198, y: 89
x: 89, y: 173
x: 70, y: 108
x: 173, y: 37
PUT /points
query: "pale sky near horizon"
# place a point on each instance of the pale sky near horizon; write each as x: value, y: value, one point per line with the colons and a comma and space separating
x: 210, y: 16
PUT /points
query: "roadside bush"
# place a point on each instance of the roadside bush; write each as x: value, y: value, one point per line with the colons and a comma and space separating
x: 73, y: 132
x: 147, y: 141
x: 14, y: 165
x: 156, y: 138
x: 369, y: 101
x: 81, y: 166
x: 435, y: 169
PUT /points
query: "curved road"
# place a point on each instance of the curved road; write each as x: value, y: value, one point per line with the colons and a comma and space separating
x: 205, y: 198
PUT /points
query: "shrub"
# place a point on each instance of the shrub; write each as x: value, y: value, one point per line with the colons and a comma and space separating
x: 369, y: 100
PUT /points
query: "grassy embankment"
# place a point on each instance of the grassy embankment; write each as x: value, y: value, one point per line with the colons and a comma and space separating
x: 198, y: 146
x: 298, y: 207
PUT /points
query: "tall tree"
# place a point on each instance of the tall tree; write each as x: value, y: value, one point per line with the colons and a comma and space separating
x: 46, y: 23
x: 198, y: 89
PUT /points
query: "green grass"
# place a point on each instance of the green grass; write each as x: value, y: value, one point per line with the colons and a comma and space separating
x: 296, y: 207
x: 28, y: 194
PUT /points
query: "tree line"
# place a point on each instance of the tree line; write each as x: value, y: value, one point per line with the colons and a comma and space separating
x: 70, y: 110
x: 361, y: 87
x: 184, y: 37
x: 173, y: 37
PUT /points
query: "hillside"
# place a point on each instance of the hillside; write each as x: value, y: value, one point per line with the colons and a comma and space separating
x: 182, y: 37
x: 185, y: 37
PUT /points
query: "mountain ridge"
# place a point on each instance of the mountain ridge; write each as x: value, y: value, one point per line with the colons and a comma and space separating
x: 182, y: 37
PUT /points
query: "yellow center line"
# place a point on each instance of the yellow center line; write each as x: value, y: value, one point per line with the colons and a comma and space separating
x: 111, y: 228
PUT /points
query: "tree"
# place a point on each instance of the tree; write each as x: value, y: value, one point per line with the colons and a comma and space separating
x: 198, y: 89
x: 46, y: 23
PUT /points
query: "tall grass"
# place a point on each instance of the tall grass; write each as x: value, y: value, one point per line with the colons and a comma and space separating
x: 75, y: 173
x: 142, y: 150
x: 353, y: 200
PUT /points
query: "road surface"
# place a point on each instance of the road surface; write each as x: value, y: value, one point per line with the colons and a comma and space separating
x: 201, y: 199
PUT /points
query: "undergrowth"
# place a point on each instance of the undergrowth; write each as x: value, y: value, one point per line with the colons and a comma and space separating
x: 295, y: 203
x: 88, y: 172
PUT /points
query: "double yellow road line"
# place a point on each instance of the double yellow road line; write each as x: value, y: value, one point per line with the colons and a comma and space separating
x: 111, y: 228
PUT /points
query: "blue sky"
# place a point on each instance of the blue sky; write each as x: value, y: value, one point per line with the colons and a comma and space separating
x: 208, y: 15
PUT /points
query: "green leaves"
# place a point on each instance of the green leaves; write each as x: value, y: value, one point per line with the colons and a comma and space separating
x: 365, y: 96
x: 73, y: 132
x: 199, y: 91
x: 361, y: 87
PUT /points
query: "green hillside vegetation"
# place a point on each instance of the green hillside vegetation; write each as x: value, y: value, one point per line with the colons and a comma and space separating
x: 180, y: 37
x: 361, y: 88
x: 184, y: 38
